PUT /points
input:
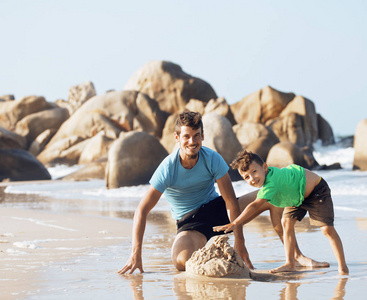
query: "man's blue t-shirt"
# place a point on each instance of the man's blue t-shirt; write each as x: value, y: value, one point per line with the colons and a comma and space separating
x: 188, y: 189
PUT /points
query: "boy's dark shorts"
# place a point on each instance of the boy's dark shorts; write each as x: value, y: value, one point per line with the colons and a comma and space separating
x: 318, y: 204
x: 204, y: 218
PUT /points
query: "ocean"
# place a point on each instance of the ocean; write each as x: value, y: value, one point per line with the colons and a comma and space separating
x: 95, y: 275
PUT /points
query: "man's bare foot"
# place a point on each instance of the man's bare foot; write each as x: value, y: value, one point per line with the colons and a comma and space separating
x: 304, y: 261
x: 284, y: 268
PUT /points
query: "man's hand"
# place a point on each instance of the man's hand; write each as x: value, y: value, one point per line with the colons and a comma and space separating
x: 134, y: 262
x: 242, y: 251
x: 226, y: 228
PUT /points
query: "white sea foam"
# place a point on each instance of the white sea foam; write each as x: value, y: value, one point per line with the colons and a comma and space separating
x: 345, y: 185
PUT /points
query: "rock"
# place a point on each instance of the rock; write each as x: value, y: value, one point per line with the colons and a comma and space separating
x: 290, y: 128
x: 360, y: 146
x: 326, y: 134
x: 169, y: 85
x: 168, y: 139
x: 55, y: 153
x: 94, y: 170
x: 286, y: 153
x: 261, y: 106
x: 132, y: 159
x: 261, y: 146
x: 306, y: 109
x: 219, y: 136
x: 95, y: 148
x: 41, y: 141
x: 148, y: 116
x: 20, y: 165
x: 6, y: 98
x: 79, y: 94
x: 13, y: 111
x: 220, y: 107
x: 249, y: 132
x: 196, y: 105
x: 34, y: 124
x: 11, y: 140
x: 217, y: 259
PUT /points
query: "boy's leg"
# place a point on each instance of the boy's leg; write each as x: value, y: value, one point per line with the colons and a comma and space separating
x: 289, y: 239
x: 276, y: 220
x: 337, y: 247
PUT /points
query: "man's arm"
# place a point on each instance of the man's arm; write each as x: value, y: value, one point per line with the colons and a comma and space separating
x: 227, y: 192
x: 150, y: 200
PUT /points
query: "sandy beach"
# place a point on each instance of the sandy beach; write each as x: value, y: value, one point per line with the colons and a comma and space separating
x: 55, y: 248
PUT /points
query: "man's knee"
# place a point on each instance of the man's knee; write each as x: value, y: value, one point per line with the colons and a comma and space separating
x: 185, y: 244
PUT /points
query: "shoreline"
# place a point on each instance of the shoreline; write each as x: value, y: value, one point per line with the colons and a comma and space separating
x: 31, y: 240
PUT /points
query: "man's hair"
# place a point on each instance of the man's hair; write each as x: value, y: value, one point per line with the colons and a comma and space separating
x: 190, y: 119
x: 244, y: 160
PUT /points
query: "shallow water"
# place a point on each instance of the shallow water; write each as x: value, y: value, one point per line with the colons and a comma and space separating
x: 93, y: 275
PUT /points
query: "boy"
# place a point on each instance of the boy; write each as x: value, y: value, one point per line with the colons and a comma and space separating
x: 296, y: 189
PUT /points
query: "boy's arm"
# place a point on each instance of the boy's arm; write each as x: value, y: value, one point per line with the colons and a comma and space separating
x: 246, y: 214
x: 140, y: 217
x: 229, y: 196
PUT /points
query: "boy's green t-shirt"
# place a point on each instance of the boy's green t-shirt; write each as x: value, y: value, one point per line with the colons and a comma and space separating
x: 284, y: 187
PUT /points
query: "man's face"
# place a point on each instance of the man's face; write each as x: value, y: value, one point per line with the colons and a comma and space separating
x: 190, y: 141
x: 255, y: 175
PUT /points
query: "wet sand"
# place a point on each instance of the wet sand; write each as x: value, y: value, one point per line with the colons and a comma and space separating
x: 46, y: 254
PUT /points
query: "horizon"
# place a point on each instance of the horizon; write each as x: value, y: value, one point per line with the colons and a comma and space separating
x: 316, y: 50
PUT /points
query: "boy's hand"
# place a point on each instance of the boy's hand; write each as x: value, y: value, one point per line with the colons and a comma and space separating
x: 226, y: 228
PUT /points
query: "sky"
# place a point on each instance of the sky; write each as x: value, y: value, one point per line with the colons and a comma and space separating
x: 317, y: 49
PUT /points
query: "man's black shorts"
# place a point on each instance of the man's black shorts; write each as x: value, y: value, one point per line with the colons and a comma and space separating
x: 204, y: 218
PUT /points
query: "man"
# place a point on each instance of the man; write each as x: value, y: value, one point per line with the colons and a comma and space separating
x: 187, y: 178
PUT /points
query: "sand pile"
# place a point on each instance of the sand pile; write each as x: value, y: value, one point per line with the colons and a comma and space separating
x: 217, y: 259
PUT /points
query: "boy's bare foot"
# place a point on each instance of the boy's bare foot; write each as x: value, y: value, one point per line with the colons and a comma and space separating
x: 304, y: 261
x: 344, y: 271
x: 284, y: 268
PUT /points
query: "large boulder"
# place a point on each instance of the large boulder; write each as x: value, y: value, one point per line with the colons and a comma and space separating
x: 306, y: 109
x: 169, y: 85
x: 11, y: 140
x: 261, y: 106
x: 20, y: 165
x: 249, y: 132
x: 261, y: 146
x: 12, y: 111
x: 326, y: 134
x: 360, y: 146
x: 132, y: 159
x: 119, y: 110
x: 41, y: 141
x: 168, y: 140
x: 289, y: 128
x: 111, y: 114
x: 95, y: 148
x: 94, y: 170
x: 286, y: 153
x: 34, y: 124
x: 219, y: 136
x: 220, y: 107
x: 58, y: 152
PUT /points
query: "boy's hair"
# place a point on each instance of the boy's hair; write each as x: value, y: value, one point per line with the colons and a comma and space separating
x: 244, y: 159
x: 190, y: 119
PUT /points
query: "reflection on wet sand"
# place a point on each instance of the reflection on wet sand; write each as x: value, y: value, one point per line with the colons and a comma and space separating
x: 199, y: 287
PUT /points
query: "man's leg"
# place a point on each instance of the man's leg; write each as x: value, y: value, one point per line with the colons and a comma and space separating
x: 184, y: 245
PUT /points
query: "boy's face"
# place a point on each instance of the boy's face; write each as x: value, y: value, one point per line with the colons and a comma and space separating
x: 255, y: 175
